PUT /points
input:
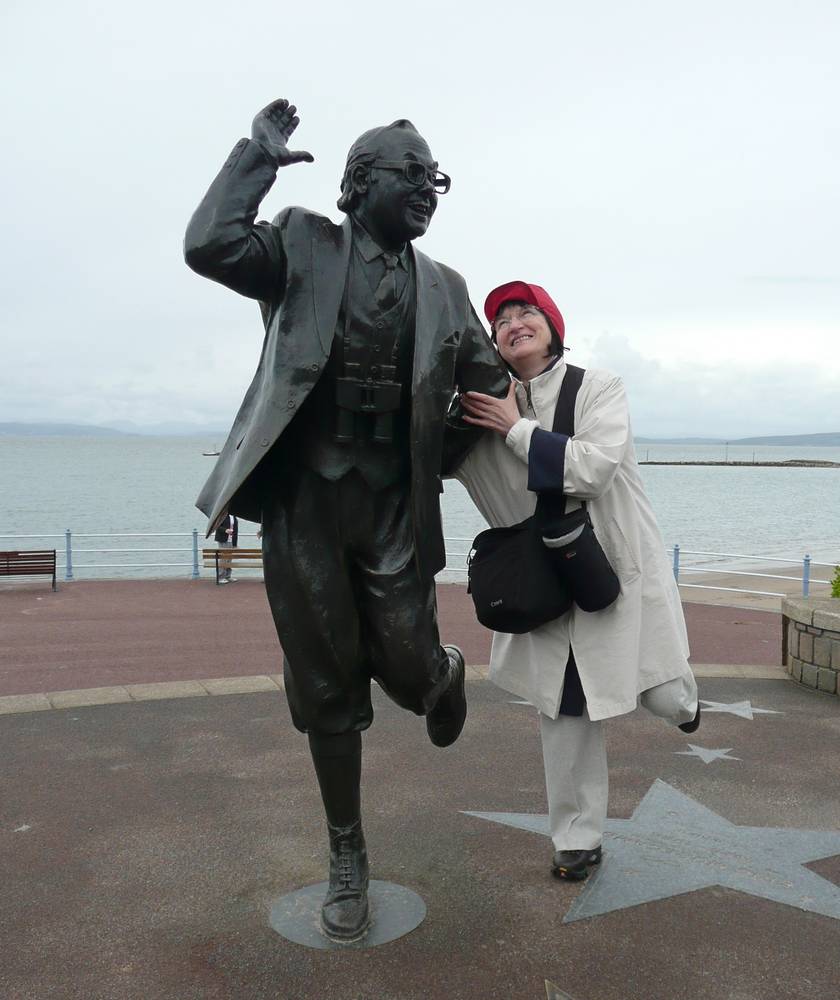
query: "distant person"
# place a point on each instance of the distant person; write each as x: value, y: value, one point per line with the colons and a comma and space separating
x: 583, y: 667
x: 227, y: 537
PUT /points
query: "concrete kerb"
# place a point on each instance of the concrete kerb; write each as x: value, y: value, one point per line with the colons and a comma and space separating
x: 219, y: 686
x: 86, y: 697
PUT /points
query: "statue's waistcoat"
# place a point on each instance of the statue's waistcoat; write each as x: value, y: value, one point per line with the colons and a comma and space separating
x: 372, y: 344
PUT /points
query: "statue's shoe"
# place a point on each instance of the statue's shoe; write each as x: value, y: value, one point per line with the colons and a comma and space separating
x: 574, y: 865
x: 345, y: 915
x: 446, y: 720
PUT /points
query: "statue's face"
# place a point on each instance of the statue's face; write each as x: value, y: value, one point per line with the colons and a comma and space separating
x: 393, y: 209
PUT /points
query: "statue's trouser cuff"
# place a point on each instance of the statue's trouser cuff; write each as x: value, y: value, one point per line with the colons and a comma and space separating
x: 347, y: 601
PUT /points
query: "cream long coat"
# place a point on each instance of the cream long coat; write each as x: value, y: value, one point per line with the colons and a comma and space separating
x: 639, y: 641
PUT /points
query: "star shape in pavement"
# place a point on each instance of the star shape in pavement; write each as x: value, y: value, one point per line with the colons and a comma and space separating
x: 553, y: 992
x: 673, y: 845
x: 706, y: 754
x: 743, y: 709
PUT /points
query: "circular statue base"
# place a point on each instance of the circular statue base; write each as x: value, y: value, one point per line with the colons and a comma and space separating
x: 394, y: 911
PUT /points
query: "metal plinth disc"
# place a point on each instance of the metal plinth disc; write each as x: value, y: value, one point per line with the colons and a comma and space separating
x: 394, y: 911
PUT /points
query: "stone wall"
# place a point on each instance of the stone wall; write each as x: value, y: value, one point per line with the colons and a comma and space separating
x: 811, y: 641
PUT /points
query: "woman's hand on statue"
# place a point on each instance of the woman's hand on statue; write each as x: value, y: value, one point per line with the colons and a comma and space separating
x: 493, y: 414
x: 273, y: 127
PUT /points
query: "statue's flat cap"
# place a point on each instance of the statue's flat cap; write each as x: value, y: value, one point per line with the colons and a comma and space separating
x: 369, y: 143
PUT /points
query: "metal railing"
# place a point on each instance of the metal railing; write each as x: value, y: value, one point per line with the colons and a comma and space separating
x: 806, y: 563
x: 67, y: 555
x: 191, y: 562
x: 804, y: 578
x: 70, y: 562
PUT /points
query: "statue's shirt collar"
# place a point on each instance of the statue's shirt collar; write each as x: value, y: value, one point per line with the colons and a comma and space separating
x: 370, y: 249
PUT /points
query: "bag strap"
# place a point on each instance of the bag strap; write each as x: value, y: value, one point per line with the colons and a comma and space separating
x: 564, y: 423
x: 564, y: 411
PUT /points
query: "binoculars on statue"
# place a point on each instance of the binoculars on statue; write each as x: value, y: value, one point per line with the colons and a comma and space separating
x: 380, y: 398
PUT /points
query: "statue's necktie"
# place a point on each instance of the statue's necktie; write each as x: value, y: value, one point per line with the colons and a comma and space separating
x: 386, y: 290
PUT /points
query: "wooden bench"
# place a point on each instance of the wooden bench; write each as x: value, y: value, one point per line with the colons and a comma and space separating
x: 32, y: 562
x: 239, y: 558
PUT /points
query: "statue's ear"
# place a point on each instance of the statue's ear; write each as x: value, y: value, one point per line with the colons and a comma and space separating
x: 360, y: 178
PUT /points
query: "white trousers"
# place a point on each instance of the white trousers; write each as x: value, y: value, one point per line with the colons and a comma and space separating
x: 575, y: 761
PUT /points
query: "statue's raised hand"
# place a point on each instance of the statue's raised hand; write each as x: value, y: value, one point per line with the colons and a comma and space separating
x: 272, y: 129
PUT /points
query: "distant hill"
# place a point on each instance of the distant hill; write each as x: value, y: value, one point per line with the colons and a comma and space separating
x: 176, y: 429
x: 58, y: 430
x: 172, y: 428
x: 829, y: 440
x: 122, y: 429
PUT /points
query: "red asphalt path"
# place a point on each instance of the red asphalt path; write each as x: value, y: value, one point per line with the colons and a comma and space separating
x: 103, y: 633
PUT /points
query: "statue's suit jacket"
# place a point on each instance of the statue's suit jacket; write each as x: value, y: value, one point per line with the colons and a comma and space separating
x: 296, y: 267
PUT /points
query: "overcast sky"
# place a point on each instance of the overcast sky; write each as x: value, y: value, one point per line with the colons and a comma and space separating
x: 668, y: 171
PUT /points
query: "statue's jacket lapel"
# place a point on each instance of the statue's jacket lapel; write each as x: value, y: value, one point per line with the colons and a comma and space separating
x: 300, y: 324
x: 433, y: 379
x: 329, y: 261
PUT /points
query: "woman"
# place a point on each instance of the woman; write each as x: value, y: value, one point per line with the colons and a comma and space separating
x: 583, y: 667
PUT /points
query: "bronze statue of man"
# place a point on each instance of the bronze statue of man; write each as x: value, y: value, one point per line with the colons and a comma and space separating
x: 338, y: 443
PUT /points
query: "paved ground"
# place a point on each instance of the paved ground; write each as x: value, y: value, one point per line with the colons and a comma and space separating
x: 95, y: 634
x: 141, y: 844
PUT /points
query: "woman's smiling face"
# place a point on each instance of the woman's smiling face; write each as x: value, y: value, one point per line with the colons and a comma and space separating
x: 523, y: 336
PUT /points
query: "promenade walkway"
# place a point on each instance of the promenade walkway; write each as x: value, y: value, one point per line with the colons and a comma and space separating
x: 104, y: 636
x: 149, y: 818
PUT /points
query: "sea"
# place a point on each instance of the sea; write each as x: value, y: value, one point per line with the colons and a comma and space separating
x: 128, y: 502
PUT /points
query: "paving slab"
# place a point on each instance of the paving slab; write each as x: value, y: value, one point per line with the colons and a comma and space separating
x: 78, y: 698
x: 170, y: 689
x: 754, y: 670
x: 142, y: 845
x: 24, y: 703
x: 239, y: 685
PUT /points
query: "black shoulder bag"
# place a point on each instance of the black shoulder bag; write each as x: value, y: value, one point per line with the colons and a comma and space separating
x: 516, y: 582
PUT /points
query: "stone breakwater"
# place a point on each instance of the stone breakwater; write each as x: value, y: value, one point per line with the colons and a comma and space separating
x: 792, y: 463
x: 811, y: 641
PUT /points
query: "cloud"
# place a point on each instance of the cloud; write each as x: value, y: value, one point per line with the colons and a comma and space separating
x: 793, y: 279
x: 706, y: 399
x: 633, y: 183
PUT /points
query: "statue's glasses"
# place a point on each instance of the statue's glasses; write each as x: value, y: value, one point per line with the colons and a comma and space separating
x: 417, y: 174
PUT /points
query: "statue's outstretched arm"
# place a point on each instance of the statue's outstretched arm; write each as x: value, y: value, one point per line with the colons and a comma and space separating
x: 222, y: 240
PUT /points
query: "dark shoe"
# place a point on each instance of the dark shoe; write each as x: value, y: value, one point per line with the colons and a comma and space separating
x: 574, y: 865
x: 446, y: 720
x: 691, y: 727
x: 344, y: 913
